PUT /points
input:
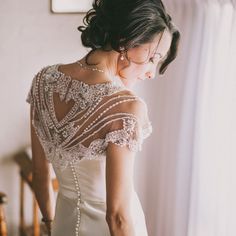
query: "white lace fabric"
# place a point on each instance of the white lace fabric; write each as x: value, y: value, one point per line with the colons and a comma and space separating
x: 75, y: 120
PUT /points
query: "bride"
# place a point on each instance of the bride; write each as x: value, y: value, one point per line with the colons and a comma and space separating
x: 88, y: 123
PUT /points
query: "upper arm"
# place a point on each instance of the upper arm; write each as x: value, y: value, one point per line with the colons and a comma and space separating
x: 40, y: 164
x: 120, y: 159
x: 119, y: 178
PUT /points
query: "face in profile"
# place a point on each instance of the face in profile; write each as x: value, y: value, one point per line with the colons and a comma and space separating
x: 141, y: 62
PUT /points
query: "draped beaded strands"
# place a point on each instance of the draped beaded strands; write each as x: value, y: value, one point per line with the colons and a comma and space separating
x: 74, y: 120
x: 94, y: 108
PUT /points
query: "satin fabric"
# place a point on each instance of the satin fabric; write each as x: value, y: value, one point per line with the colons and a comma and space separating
x: 91, y: 178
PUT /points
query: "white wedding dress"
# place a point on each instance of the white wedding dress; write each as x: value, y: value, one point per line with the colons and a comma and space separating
x: 75, y: 122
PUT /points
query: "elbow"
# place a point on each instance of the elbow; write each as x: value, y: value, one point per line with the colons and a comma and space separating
x: 117, y: 220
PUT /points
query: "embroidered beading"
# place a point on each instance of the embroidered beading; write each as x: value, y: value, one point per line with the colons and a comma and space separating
x: 92, y: 112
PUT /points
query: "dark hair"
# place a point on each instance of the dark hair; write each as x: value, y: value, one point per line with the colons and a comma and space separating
x: 127, y: 23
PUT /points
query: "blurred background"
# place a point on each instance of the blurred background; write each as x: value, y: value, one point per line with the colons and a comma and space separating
x: 186, y: 174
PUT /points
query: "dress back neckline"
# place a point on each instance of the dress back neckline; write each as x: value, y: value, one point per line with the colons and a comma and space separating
x: 113, y: 81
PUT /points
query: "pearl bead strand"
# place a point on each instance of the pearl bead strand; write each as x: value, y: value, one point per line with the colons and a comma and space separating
x: 107, y: 109
x: 115, y: 131
x: 90, y: 125
x: 90, y: 68
x: 78, y: 199
x: 92, y: 110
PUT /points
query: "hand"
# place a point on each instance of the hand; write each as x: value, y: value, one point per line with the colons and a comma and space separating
x: 48, y: 224
x: 49, y: 227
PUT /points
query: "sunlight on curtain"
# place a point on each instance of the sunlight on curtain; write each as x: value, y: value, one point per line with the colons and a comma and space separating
x: 213, y: 186
x: 193, y: 164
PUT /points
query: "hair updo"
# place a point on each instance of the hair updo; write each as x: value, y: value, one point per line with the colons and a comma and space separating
x: 128, y: 24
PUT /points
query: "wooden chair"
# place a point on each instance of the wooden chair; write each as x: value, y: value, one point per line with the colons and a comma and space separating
x: 23, y: 159
x: 3, y: 225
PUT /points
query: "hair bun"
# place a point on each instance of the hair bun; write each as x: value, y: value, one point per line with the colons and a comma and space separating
x: 96, y: 33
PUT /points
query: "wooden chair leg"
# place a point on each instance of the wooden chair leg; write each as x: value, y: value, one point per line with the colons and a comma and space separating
x: 22, y: 214
x: 36, y: 224
x: 3, y: 225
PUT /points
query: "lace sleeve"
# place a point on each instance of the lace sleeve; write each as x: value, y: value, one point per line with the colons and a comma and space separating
x: 29, y: 98
x: 129, y: 132
x: 33, y: 88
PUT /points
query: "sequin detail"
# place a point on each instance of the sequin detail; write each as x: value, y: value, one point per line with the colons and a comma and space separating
x: 63, y: 140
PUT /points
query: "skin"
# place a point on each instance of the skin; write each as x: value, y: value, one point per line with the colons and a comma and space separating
x: 136, y: 72
x: 120, y: 161
x: 41, y: 183
x: 111, y: 63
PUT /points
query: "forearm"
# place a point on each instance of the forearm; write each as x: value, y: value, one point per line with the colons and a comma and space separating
x: 44, y: 195
x: 120, y: 226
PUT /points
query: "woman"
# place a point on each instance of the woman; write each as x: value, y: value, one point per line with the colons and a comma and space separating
x: 87, y: 121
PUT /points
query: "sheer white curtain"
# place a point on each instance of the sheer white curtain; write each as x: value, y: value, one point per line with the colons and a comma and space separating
x: 192, y: 161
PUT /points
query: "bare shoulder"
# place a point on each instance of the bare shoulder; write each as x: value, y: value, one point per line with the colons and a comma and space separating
x: 68, y: 68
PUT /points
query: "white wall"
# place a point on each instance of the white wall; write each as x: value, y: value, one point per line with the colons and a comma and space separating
x: 30, y: 38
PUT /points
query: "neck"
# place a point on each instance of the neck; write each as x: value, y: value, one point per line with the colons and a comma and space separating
x: 108, y: 62
x: 104, y: 60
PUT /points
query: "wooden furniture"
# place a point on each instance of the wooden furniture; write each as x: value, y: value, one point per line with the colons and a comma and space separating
x: 23, y: 159
x: 3, y: 225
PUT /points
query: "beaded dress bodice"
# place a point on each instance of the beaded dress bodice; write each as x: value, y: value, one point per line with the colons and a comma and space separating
x: 91, y: 110
x: 74, y: 122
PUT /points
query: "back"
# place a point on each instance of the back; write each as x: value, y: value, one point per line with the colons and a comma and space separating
x: 72, y: 116
x: 75, y: 122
